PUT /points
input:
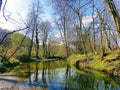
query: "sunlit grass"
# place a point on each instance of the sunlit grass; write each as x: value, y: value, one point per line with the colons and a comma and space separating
x: 94, y: 56
x: 73, y: 58
x: 112, y: 65
x: 97, y: 64
x: 108, y: 63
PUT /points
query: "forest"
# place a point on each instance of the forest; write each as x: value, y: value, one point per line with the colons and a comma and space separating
x: 83, y: 33
x: 90, y: 28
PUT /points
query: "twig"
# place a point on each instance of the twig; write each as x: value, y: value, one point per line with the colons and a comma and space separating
x: 0, y: 4
x: 11, y: 33
x: 4, y: 10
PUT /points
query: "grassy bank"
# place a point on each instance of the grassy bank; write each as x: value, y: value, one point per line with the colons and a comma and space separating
x: 110, y: 63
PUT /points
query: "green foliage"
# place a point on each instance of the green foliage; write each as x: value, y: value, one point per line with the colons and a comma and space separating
x: 23, y: 49
x: 94, y: 56
x: 97, y: 64
x: 73, y: 58
x: 6, y: 63
x: 108, y: 63
x: 14, y: 62
x: 2, y: 67
x: 16, y: 39
x: 61, y: 51
x: 23, y: 58
x: 72, y: 53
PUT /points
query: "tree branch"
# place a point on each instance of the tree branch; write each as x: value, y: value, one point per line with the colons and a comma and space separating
x: 11, y: 33
x: 4, y: 10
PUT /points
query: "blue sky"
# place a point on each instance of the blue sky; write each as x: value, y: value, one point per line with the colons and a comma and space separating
x: 22, y: 7
x: 15, y: 7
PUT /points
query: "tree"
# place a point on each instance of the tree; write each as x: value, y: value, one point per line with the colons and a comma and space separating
x: 93, y: 11
x: 63, y: 21
x: 115, y: 14
x: 34, y: 20
x: 45, y: 28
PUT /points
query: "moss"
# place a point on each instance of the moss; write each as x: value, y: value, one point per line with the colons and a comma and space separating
x: 111, y: 57
x: 73, y: 58
x: 108, y: 63
x: 95, y: 57
x: 112, y: 65
x: 97, y: 64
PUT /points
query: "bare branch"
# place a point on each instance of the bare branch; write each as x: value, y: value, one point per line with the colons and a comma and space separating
x: 11, y: 33
x: 0, y: 4
x: 19, y: 45
x: 4, y: 10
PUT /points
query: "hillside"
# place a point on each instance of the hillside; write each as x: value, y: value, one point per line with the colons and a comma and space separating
x: 3, y: 32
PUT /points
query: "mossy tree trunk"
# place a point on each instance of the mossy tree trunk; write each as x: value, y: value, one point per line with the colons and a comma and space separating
x: 115, y: 14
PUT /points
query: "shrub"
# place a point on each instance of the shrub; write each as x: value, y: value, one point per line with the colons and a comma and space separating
x: 2, y: 67
x: 6, y: 63
x: 14, y: 62
x: 23, y: 58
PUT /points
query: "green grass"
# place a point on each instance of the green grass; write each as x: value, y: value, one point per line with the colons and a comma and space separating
x: 97, y: 64
x: 73, y: 58
x: 108, y: 63
x: 95, y: 57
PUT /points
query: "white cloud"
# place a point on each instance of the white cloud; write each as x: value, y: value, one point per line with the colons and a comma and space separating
x: 87, y: 20
x: 12, y: 9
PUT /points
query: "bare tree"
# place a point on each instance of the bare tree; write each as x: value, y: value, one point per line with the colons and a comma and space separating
x: 45, y: 28
x: 63, y: 21
x: 115, y: 14
x: 35, y: 20
x: 93, y: 14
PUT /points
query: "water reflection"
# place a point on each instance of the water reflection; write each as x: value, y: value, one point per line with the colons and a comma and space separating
x: 59, y: 76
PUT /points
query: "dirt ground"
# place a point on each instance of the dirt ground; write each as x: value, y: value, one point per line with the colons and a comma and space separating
x: 10, y: 82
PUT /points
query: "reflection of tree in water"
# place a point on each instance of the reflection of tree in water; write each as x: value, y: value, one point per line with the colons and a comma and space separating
x: 36, y: 72
x: 29, y: 73
x: 48, y: 75
x: 44, y: 72
x: 111, y: 82
x: 67, y: 76
x: 89, y: 81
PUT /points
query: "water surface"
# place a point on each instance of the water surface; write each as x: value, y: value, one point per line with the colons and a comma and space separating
x: 57, y: 75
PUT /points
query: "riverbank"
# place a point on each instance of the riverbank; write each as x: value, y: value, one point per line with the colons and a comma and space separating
x: 110, y: 63
x: 57, y: 74
x: 6, y: 66
x: 8, y: 81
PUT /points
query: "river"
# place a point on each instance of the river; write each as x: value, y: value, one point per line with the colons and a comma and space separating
x: 58, y: 75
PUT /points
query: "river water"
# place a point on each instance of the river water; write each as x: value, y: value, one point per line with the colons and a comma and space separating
x: 58, y: 75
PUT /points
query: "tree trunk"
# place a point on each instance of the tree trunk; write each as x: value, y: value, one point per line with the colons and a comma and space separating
x: 94, y: 46
x: 37, y: 42
x: 115, y: 14
x: 31, y: 45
